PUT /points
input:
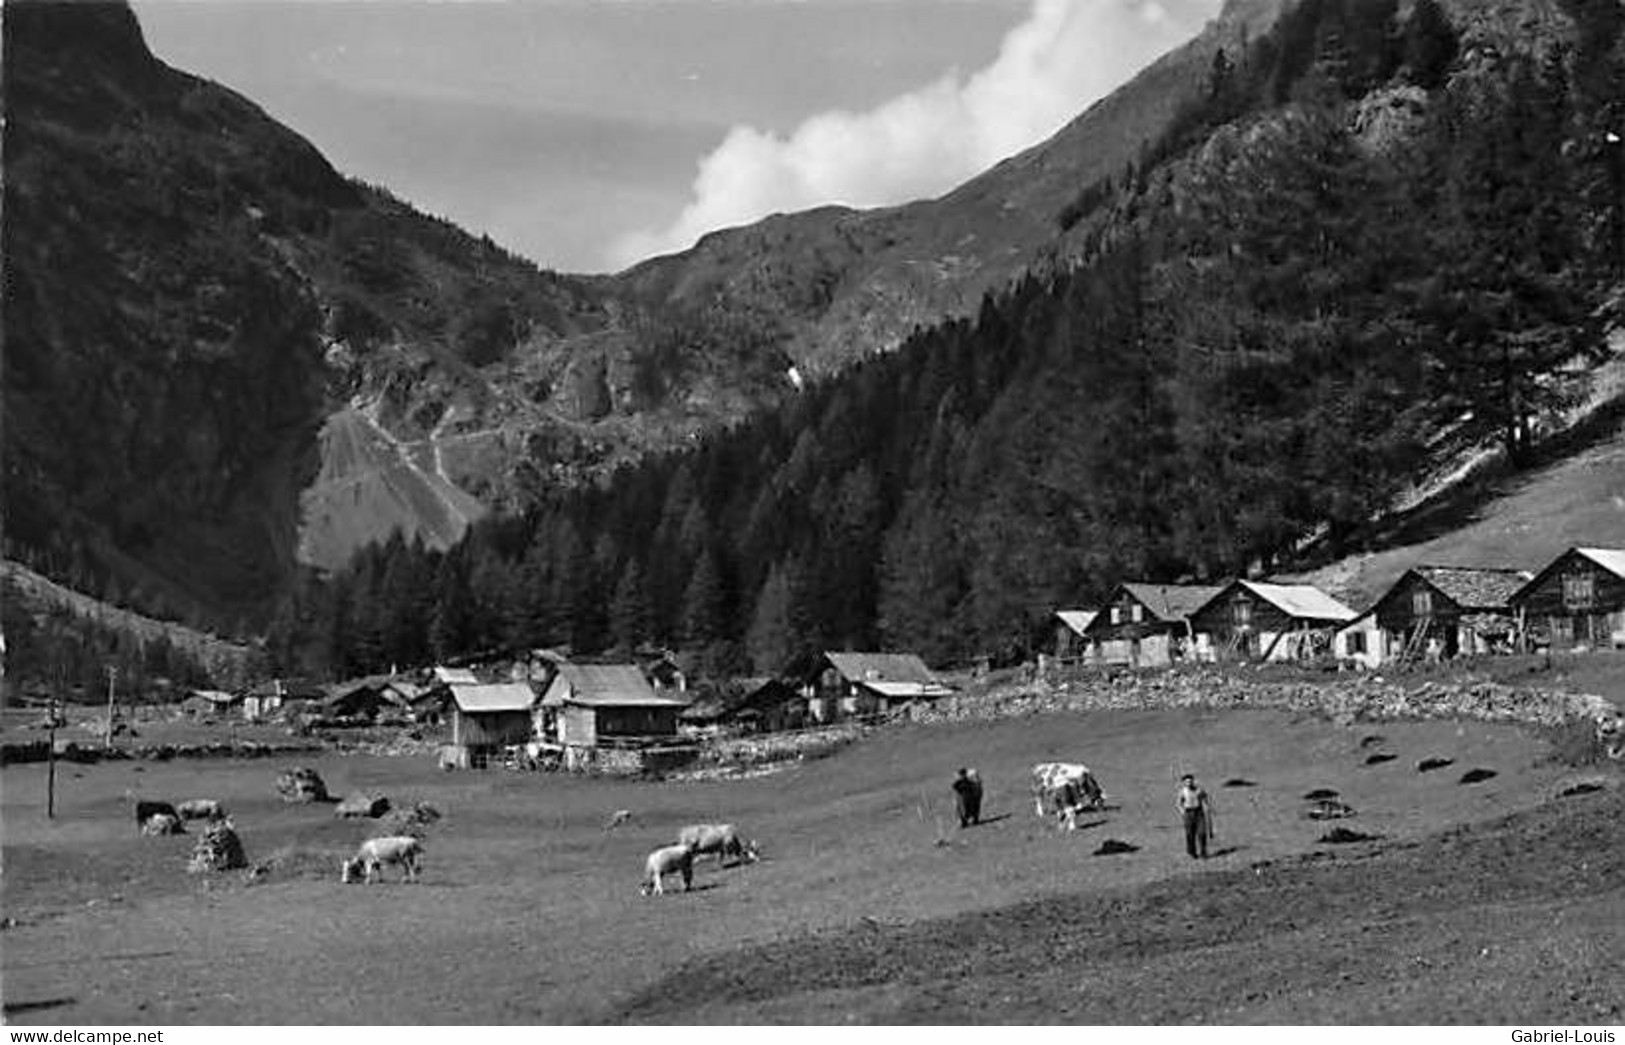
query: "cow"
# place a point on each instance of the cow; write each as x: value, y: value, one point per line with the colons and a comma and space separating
x: 145, y: 811
x: 201, y: 809
x: 374, y: 853
x: 1065, y: 788
x: 661, y: 862
x: 162, y: 824
x: 721, y: 839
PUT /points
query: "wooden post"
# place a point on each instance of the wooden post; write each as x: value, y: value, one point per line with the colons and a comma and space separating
x: 50, y: 764
x: 112, y: 675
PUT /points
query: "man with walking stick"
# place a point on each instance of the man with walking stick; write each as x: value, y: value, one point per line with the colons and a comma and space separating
x: 1197, y: 811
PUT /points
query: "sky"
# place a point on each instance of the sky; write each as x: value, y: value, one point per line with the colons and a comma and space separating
x: 589, y: 134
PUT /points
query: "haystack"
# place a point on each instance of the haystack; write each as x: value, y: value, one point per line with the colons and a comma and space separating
x: 301, y: 785
x: 218, y: 849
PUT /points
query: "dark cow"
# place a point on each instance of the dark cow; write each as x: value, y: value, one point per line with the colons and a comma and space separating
x: 144, y: 811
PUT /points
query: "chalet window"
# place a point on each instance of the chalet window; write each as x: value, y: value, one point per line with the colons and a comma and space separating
x: 1137, y: 612
x: 1356, y: 642
x: 1241, y: 613
x: 1117, y: 614
x: 1421, y: 603
x: 1579, y: 591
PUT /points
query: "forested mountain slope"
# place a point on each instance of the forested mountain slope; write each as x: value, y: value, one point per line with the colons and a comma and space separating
x: 1373, y: 232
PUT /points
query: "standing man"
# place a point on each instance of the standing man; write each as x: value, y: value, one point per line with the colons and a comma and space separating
x: 968, y: 797
x: 1197, y: 811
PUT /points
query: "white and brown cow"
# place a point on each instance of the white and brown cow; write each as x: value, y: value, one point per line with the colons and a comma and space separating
x: 1065, y: 789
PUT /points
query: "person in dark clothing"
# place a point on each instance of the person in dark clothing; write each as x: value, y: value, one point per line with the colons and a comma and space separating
x: 1197, y: 811
x: 968, y: 797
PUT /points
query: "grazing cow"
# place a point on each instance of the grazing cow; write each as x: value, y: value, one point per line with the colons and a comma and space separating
x: 201, y: 809
x: 661, y: 862
x: 721, y: 839
x: 1065, y: 788
x: 374, y: 853
x: 162, y: 824
x: 145, y: 811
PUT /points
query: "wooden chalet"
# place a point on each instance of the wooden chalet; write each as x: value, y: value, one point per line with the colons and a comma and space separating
x: 368, y: 699
x: 204, y: 703
x: 1577, y: 601
x: 1446, y: 611
x: 586, y: 703
x: 276, y: 697
x: 1146, y: 625
x: 1253, y: 620
x: 768, y: 706
x: 489, y: 716
x: 1070, y: 626
x: 837, y: 685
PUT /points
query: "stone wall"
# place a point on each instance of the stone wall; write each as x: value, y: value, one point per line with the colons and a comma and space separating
x: 1346, y: 698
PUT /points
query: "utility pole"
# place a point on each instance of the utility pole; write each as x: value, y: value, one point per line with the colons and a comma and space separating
x: 50, y: 763
x: 112, y: 676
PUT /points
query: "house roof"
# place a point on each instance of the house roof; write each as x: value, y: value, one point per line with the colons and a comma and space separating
x: 1172, y: 602
x: 869, y: 668
x: 458, y: 676
x: 1475, y: 587
x: 1610, y: 559
x: 493, y: 696
x: 1300, y: 601
x: 215, y: 696
x: 909, y: 690
x: 1077, y: 620
x: 606, y: 685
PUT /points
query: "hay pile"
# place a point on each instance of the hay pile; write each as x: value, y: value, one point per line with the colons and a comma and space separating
x: 412, y: 820
x: 362, y: 804
x: 301, y: 785
x: 218, y: 849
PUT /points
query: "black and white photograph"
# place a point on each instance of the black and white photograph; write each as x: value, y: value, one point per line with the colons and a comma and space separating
x: 1078, y: 514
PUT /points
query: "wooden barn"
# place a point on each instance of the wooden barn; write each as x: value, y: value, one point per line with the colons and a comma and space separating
x: 1577, y: 601
x: 489, y: 716
x: 837, y: 685
x: 1252, y: 620
x: 208, y: 703
x: 1146, y: 625
x: 1445, y: 611
x: 1070, y: 626
x: 589, y: 702
x: 768, y: 705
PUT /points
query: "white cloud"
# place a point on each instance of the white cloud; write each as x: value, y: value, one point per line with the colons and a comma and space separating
x: 1066, y: 54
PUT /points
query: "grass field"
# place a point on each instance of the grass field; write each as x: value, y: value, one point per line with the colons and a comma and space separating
x: 529, y: 912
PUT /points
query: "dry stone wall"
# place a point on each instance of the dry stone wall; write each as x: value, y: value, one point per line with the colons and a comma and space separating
x: 1352, y: 698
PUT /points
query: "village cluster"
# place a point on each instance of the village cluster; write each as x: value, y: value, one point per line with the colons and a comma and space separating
x: 546, y: 710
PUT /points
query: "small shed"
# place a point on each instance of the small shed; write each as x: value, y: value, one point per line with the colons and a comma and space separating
x: 1443, y: 611
x: 1147, y: 625
x: 1256, y: 620
x: 486, y: 717
x: 588, y: 702
x: 1070, y: 626
x: 205, y: 702
x: 270, y: 698
x: 847, y: 683
x: 1577, y: 601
